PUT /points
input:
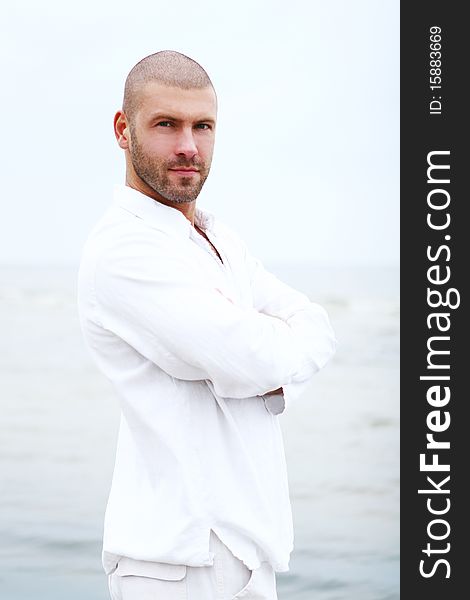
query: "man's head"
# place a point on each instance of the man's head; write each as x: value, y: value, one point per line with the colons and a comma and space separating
x: 167, y: 126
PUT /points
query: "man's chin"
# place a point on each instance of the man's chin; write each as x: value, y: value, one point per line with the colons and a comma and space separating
x: 182, y: 195
x: 181, y: 198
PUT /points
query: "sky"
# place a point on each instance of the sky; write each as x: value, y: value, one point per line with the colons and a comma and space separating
x: 306, y: 162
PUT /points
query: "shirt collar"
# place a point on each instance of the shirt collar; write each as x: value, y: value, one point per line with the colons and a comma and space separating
x: 160, y: 215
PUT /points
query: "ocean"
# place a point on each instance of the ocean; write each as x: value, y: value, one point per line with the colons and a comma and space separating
x: 59, y: 427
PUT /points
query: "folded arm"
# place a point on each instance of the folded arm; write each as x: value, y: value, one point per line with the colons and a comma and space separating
x: 307, y: 320
x: 188, y: 328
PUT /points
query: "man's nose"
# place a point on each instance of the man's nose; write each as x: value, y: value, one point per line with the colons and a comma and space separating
x: 186, y: 144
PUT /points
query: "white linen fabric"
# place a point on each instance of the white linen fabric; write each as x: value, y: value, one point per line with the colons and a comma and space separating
x: 192, y: 344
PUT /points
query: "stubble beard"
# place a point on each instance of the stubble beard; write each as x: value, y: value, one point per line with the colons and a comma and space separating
x: 154, y: 172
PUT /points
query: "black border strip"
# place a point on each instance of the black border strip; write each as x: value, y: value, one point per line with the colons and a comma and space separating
x: 442, y: 195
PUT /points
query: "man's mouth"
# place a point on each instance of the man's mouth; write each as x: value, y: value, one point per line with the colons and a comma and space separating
x: 184, y: 170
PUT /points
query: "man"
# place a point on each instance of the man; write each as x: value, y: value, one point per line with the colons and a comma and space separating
x: 204, y: 347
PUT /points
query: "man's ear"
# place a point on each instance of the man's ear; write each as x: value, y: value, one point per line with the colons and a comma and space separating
x: 121, y: 130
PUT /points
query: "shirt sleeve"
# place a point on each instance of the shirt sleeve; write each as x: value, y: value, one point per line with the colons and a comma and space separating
x: 308, y: 322
x: 157, y: 303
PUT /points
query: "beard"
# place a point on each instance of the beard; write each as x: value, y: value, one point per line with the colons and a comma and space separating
x: 154, y: 172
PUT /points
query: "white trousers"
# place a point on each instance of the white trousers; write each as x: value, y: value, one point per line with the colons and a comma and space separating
x: 227, y: 579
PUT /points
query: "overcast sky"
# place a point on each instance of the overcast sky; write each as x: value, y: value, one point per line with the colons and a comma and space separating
x: 306, y: 162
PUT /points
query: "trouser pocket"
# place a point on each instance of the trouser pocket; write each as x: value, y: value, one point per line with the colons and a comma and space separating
x: 246, y: 588
x: 260, y: 586
x: 145, y: 580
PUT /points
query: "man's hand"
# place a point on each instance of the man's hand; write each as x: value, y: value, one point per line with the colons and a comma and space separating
x: 278, y: 391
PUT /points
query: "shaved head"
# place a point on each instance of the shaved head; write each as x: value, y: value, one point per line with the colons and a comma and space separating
x: 167, y: 67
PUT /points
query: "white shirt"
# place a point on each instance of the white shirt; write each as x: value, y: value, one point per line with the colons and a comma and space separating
x: 191, y: 344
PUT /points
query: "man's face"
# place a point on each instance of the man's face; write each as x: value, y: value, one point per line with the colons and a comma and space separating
x: 172, y: 139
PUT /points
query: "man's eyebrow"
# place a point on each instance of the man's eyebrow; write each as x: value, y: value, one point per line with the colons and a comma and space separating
x: 167, y: 117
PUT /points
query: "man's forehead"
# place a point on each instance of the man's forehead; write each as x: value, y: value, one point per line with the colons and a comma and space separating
x: 156, y: 97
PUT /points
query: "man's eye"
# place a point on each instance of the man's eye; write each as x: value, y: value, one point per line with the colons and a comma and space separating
x: 203, y: 126
x: 164, y: 124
